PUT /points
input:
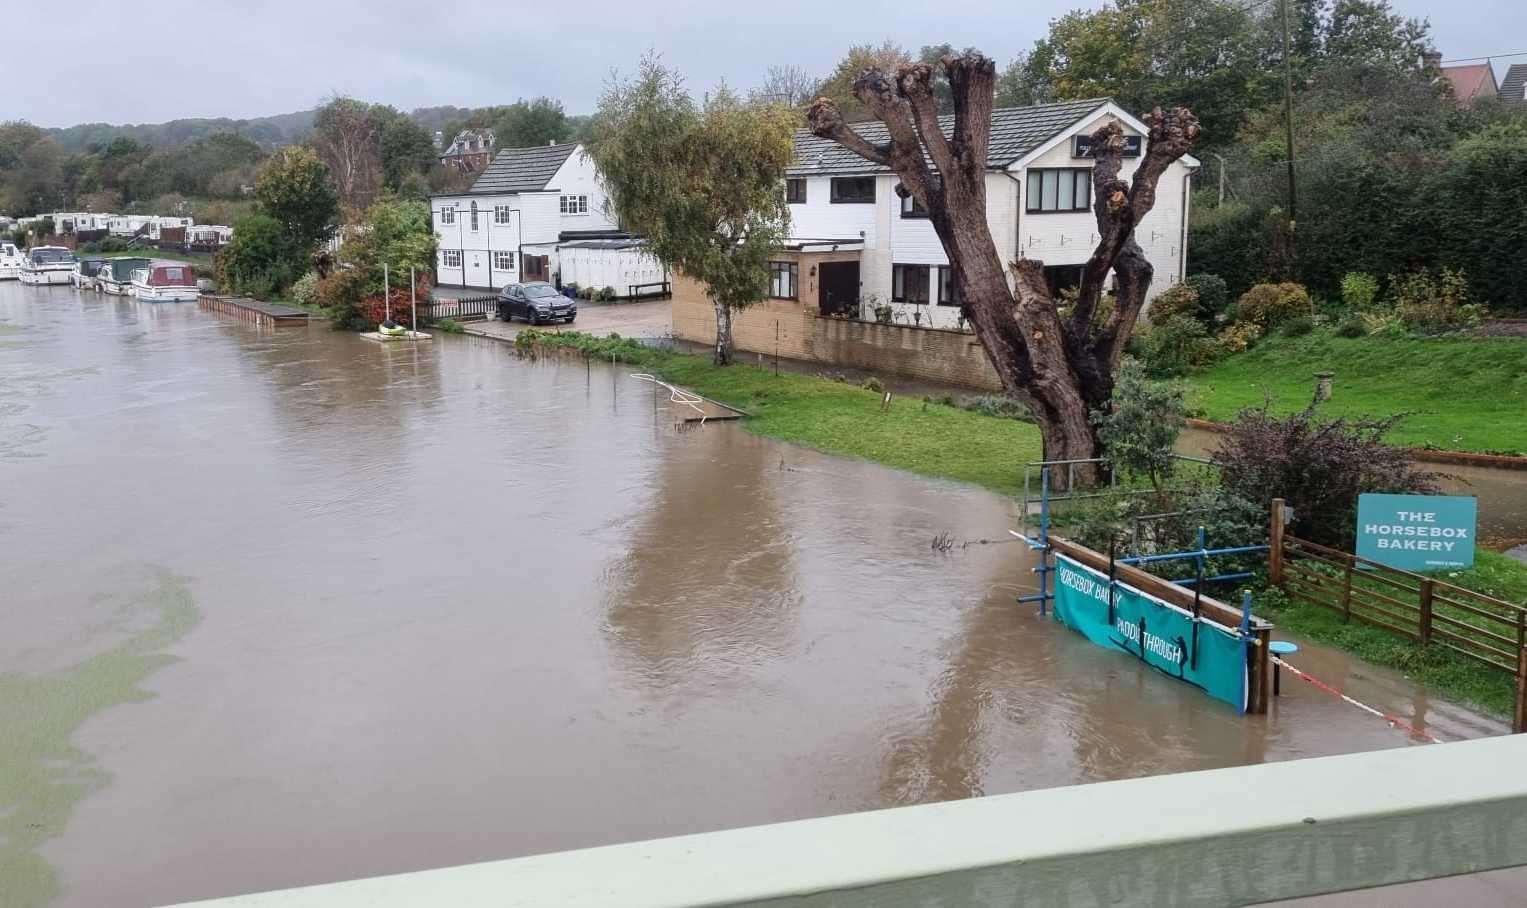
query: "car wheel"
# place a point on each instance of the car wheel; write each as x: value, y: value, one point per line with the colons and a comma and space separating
x: 571, y: 318
x: 531, y: 317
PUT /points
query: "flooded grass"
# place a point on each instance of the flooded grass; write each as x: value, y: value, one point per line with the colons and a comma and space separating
x: 925, y: 437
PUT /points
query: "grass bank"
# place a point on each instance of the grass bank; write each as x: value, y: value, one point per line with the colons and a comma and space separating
x: 1461, y: 393
x: 1450, y: 675
x: 922, y: 437
x: 201, y: 259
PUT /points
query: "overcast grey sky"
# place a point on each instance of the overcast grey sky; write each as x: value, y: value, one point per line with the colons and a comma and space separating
x: 186, y: 58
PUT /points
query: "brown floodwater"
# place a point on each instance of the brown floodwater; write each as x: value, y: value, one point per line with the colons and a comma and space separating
x: 283, y: 607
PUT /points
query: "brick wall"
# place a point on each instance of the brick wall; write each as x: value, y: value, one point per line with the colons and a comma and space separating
x: 926, y: 354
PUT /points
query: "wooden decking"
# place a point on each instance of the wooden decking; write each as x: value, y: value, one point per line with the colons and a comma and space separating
x: 266, y: 315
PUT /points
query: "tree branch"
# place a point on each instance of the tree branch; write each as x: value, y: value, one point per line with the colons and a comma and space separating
x: 972, y: 82
x: 827, y: 122
x: 915, y: 82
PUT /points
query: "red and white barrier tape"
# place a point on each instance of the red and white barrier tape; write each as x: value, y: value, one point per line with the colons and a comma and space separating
x: 1394, y: 721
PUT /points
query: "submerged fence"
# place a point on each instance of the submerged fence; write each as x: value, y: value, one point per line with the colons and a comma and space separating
x: 1423, y: 609
x: 465, y: 309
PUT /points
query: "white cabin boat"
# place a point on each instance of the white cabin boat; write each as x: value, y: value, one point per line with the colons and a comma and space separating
x: 47, y: 265
x: 166, y: 284
x: 83, y: 277
x: 116, y: 276
x: 10, y: 262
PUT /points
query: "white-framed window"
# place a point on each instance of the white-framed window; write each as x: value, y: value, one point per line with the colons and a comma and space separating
x: 450, y: 258
x: 447, y: 215
x: 500, y: 214
x: 503, y: 261
x: 1059, y: 189
x: 474, y: 217
x: 575, y: 204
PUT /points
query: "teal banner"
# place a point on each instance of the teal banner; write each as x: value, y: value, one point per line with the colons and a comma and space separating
x: 1417, y: 532
x: 1154, y: 631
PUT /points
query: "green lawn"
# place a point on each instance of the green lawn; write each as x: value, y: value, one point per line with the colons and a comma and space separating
x: 928, y: 438
x: 195, y: 258
x: 1454, y: 677
x: 1465, y: 394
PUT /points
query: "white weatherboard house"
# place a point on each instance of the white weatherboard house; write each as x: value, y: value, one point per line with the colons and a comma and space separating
x: 1039, y: 206
x: 507, y: 228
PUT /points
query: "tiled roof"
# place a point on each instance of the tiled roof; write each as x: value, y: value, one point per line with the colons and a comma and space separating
x: 522, y: 169
x: 1514, y: 84
x: 1471, y: 81
x: 1015, y: 132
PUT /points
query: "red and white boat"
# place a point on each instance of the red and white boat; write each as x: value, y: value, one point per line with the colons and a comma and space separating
x: 165, y: 284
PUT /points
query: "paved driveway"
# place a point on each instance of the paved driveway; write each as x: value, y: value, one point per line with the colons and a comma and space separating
x: 648, y: 319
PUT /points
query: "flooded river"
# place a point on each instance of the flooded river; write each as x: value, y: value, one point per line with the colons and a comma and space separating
x: 283, y: 607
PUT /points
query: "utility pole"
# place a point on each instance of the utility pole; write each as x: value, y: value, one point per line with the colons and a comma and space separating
x: 1288, y: 117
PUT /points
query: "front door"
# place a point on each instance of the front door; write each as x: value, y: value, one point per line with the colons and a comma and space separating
x: 838, y: 289
x: 535, y: 268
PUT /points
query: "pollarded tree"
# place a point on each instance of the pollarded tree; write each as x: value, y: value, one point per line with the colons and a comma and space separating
x: 703, y: 184
x: 1061, y: 367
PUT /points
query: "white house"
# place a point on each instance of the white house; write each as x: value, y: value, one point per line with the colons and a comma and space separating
x: 508, y: 226
x: 1039, y: 206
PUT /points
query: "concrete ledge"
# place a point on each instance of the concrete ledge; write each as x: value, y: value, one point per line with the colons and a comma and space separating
x: 1223, y: 837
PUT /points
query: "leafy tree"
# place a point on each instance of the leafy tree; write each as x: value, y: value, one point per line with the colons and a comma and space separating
x: 408, y: 152
x: 1477, y: 196
x: 397, y: 233
x: 1141, y: 424
x: 347, y: 136
x: 528, y: 123
x: 1061, y: 370
x: 293, y: 188
x: 701, y: 183
x: 839, y: 84
x: 262, y: 259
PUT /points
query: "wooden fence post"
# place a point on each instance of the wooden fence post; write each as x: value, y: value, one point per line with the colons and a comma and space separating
x: 1275, y: 544
x: 1519, y: 721
x: 1346, y: 591
x: 1426, y: 610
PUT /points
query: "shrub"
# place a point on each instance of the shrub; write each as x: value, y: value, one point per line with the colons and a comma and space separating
x: 1269, y: 305
x: 873, y: 384
x: 1352, y: 326
x: 1318, y: 467
x: 261, y: 259
x: 1179, y: 299
x: 1434, y: 301
x: 1239, y: 337
x: 607, y: 294
x: 1297, y: 326
x: 1359, y: 291
x: 1213, y: 295
x: 340, y: 295
x: 997, y: 405
x: 305, y: 290
x: 1176, y: 345
x: 1141, y: 424
x: 450, y: 326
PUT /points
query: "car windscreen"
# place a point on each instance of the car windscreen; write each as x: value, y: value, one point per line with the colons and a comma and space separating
x: 540, y: 292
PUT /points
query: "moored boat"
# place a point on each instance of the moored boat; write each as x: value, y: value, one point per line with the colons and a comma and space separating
x: 116, y: 276
x: 165, y: 284
x: 10, y: 262
x: 83, y: 276
x: 47, y: 265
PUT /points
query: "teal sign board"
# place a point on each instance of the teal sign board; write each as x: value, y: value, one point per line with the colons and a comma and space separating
x: 1156, y: 632
x: 1417, y: 532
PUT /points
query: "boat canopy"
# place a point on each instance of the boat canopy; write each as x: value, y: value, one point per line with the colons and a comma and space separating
x: 121, y: 270
x: 51, y: 255
x: 89, y: 267
x: 171, y: 276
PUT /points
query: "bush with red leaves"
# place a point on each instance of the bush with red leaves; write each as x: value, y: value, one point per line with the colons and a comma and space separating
x: 1317, y: 467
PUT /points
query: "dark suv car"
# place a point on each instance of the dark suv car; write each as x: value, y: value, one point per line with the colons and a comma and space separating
x: 535, y: 302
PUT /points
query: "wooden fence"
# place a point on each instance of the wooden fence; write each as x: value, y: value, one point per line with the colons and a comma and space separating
x: 465, y: 309
x: 1423, y: 609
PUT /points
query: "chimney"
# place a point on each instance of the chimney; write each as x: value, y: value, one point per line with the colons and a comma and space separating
x: 1431, y: 59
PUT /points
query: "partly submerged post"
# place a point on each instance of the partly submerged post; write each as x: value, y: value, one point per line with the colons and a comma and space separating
x: 386, y: 295
x: 1246, y: 646
x: 413, y: 305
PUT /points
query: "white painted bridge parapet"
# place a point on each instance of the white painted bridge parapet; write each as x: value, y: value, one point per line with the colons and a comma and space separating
x: 1214, y: 838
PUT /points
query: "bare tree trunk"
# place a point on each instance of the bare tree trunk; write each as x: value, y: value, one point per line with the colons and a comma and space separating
x: 1060, y: 370
x: 723, y: 333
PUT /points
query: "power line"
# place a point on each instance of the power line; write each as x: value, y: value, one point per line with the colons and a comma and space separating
x: 1520, y: 53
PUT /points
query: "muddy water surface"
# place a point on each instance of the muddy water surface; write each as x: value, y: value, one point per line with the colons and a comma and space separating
x: 289, y: 607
